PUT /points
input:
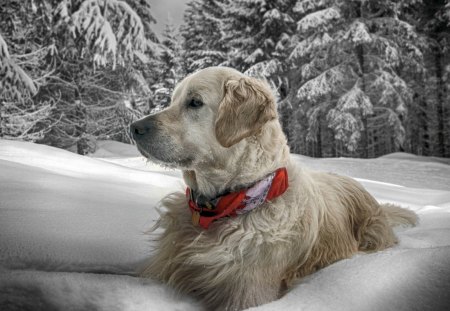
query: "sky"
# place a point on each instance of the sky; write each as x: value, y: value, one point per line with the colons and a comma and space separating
x: 162, y: 8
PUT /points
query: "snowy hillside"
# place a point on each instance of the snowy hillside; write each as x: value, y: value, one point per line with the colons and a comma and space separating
x: 72, y: 234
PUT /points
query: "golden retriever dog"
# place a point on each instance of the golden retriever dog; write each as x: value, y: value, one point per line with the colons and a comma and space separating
x: 251, y: 221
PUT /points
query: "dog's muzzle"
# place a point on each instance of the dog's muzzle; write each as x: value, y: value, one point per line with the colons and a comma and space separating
x: 158, y: 145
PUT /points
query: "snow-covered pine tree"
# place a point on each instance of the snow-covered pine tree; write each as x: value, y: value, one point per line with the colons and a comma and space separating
x: 15, y: 84
x: 446, y: 77
x: 436, y: 25
x: 58, y: 44
x: 202, y: 33
x: 171, y: 68
x: 351, y: 56
x: 94, y: 44
x: 20, y: 117
x: 108, y: 31
x: 257, y: 33
x: 315, y: 64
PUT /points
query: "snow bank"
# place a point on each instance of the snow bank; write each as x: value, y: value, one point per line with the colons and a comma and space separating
x: 405, y: 171
x: 114, y: 149
x: 72, y: 234
x: 413, y: 157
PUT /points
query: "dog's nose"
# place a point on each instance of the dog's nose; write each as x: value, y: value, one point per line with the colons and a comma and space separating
x: 138, y: 129
x: 144, y: 128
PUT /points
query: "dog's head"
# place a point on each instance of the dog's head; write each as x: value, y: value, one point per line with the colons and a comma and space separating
x: 211, y: 112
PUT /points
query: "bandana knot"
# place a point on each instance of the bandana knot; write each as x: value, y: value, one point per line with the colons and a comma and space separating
x: 205, y: 211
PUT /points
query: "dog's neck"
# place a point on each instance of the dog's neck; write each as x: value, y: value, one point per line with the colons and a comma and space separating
x: 252, y: 160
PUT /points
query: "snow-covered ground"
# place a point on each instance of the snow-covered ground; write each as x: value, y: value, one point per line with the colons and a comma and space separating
x: 72, y: 234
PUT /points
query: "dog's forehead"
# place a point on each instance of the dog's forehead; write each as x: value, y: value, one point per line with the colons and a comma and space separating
x: 206, y: 84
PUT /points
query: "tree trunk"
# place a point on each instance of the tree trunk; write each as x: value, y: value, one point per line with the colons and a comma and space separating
x: 365, y: 134
x: 80, y: 128
x: 424, y: 137
x: 80, y: 123
x: 359, y: 50
x: 319, y: 139
x: 1, y: 119
x: 439, y: 102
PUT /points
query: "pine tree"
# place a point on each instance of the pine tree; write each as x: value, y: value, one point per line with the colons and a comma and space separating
x: 202, y: 34
x: 258, y: 34
x: 351, y: 56
x: 15, y: 84
x: 79, y: 51
x: 437, y: 28
x: 109, y: 31
x: 170, y: 68
x: 105, y: 38
x: 20, y: 118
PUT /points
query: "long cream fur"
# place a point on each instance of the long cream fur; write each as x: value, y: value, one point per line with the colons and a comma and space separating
x: 254, y: 258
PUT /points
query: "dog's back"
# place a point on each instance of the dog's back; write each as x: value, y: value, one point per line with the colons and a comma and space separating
x: 350, y: 220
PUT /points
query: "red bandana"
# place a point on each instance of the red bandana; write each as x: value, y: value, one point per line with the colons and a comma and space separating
x: 205, y: 211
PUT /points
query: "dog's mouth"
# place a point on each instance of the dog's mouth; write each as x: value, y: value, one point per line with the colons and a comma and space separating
x: 167, y: 162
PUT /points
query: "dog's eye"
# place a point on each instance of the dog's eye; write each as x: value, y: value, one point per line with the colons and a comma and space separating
x: 195, y: 103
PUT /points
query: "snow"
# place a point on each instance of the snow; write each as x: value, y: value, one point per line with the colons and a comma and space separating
x: 318, y: 19
x: 265, y: 68
x: 358, y: 33
x: 72, y: 234
x: 323, y: 84
x: 252, y: 57
x: 308, y: 5
x: 13, y: 75
x: 310, y: 45
x: 3, y: 48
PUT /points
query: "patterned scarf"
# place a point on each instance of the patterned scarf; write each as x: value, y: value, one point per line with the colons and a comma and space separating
x: 205, y: 211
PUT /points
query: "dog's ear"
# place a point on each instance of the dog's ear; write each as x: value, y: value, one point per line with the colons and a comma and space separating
x: 247, y: 105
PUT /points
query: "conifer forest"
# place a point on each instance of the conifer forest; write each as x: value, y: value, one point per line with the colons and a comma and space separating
x: 353, y: 78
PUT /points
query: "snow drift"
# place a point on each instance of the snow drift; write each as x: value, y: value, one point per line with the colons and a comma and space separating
x: 72, y: 234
